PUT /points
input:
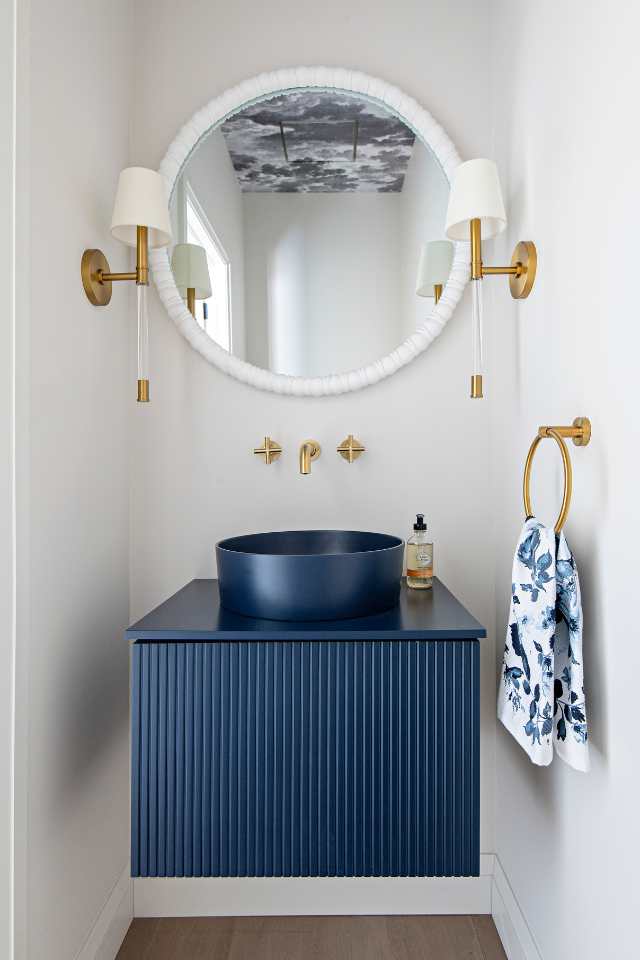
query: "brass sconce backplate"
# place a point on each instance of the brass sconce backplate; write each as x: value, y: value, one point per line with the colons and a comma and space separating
x: 94, y: 264
x: 525, y: 257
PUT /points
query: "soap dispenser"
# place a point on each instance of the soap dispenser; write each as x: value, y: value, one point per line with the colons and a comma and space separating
x: 419, y: 557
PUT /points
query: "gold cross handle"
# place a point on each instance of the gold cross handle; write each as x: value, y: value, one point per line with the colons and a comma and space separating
x: 350, y: 449
x: 270, y: 450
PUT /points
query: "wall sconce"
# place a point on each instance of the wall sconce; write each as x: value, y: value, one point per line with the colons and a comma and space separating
x: 476, y: 212
x: 434, y: 268
x: 191, y: 273
x: 141, y: 220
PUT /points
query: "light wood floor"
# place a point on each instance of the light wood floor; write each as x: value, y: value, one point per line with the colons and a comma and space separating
x: 313, y: 938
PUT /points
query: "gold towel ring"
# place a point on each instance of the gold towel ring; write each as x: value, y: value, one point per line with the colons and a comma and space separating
x: 580, y: 432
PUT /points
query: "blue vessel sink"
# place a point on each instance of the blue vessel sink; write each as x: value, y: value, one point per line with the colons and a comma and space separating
x: 310, y: 574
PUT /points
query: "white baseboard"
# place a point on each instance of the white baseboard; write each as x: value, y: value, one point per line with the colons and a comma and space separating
x: 491, y: 893
x: 110, y: 928
x: 511, y: 925
x: 312, y: 896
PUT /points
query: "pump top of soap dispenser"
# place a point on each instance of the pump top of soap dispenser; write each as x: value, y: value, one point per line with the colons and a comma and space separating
x: 420, y: 524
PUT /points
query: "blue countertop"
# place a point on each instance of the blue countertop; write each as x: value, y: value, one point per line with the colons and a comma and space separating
x: 195, y: 613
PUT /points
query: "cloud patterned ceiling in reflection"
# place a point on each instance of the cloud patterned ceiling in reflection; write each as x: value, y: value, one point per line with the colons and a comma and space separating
x: 318, y: 142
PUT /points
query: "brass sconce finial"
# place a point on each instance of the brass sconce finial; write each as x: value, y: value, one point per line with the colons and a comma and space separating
x: 270, y: 450
x: 350, y: 449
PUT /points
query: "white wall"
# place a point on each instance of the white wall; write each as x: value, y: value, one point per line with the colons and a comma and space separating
x: 323, y: 280
x: 425, y: 196
x: 567, y: 144
x: 195, y: 478
x: 212, y: 177
x: 7, y: 386
x: 76, y: 398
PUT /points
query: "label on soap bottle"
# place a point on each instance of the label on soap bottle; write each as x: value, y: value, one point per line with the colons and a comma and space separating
x: 420, y: 561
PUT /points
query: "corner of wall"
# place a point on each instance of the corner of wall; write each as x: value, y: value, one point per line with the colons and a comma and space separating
x: 110, y: 928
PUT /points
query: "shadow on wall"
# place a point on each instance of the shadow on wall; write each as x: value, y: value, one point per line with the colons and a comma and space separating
x: 92, y: 698
x: 593, y: 650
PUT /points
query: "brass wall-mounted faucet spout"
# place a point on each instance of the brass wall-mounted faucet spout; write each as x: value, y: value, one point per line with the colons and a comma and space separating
x: 309, y: 450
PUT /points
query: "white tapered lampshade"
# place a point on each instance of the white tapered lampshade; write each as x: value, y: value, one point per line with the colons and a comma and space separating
x: 141, y: 201
x: 475, y: 194
x: 190, y: 270
x: 434, y: 267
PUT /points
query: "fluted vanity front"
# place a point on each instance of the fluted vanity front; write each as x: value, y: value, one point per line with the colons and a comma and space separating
x: 272, y: 748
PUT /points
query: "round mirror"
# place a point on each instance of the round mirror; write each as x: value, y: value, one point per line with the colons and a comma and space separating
x: 308, y: 212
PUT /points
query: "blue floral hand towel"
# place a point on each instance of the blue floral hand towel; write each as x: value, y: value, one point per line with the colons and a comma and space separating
x: 541, y: 698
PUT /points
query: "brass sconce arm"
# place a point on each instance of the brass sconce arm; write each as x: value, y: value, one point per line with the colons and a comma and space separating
x: 97, y: 276
x: 521, y: 271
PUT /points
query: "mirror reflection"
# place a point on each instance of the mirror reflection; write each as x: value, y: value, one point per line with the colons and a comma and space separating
x: 304, y: 225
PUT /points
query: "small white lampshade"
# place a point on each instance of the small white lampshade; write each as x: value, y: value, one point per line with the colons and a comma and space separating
x: 434, y: 267
x: 190, y: 270
x: 475, y: 194
x: 141, y: 200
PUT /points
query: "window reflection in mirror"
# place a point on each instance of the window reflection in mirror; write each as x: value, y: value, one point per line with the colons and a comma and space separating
x: 313, y: 208
x: 192, y: 225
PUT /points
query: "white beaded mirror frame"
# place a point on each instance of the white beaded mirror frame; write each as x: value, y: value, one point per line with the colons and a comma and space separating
x: 261, y: 88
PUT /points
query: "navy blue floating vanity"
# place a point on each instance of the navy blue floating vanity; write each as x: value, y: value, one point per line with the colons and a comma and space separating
x: 269, y: 748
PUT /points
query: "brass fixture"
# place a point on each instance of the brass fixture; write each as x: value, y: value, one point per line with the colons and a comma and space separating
x: 434, y: 268
x: 96, y: 273
x: 141, y: 220
x: 270, y: 450
x: 476, y: 211
x: 309, y: 450
x: 191, y: 273
x: 143, y: 391
x: 521, y: 272
x: 580, y: 433
x: 97, y: 279
x: 350, y: 449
